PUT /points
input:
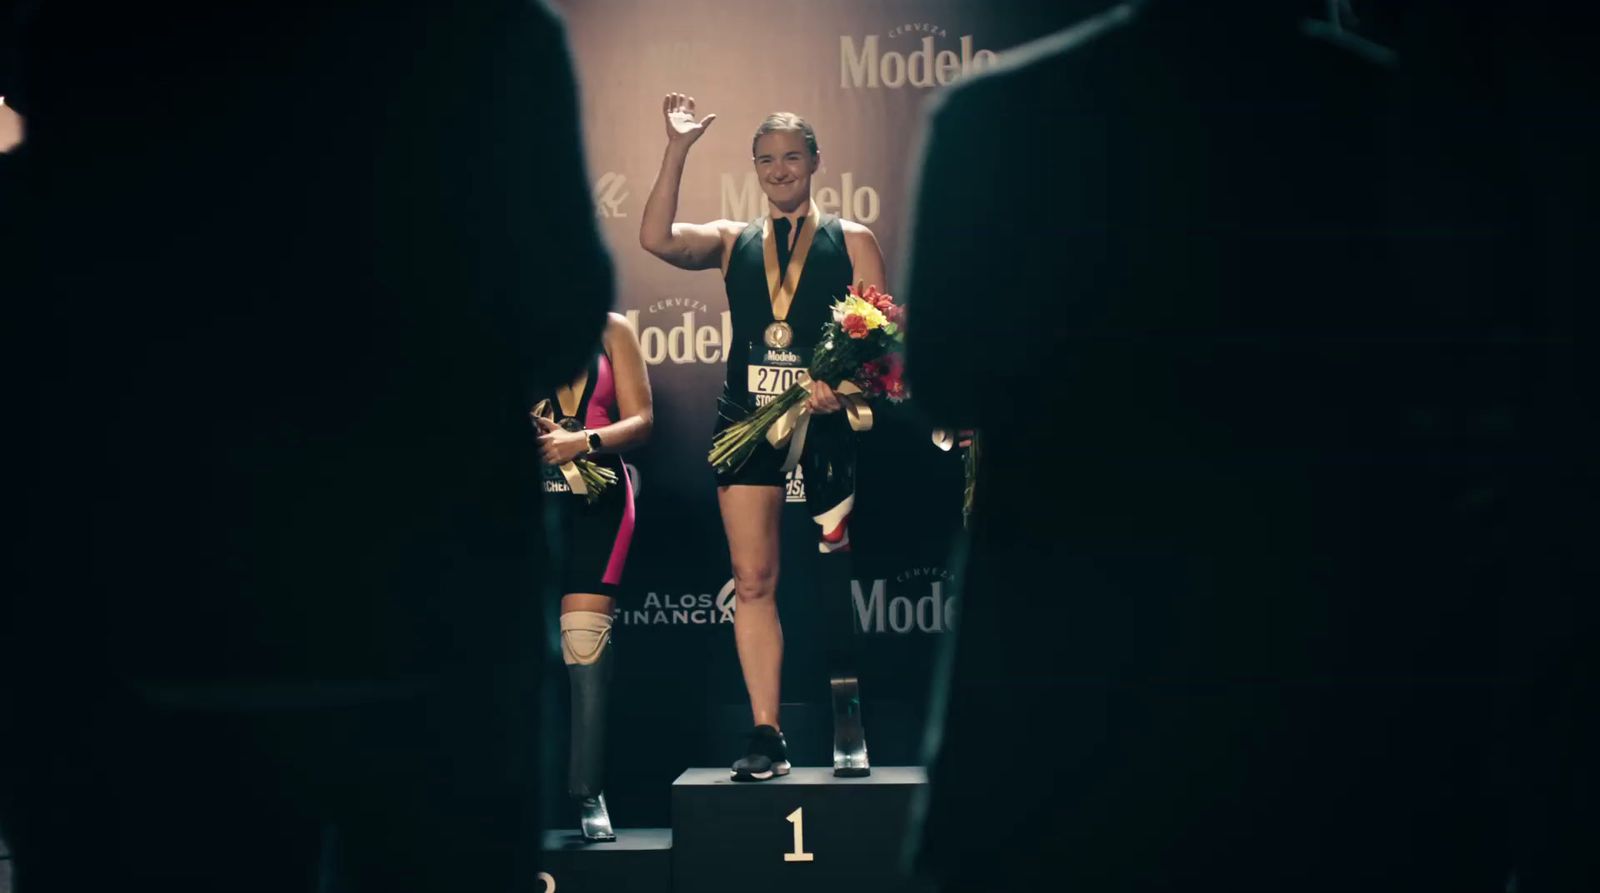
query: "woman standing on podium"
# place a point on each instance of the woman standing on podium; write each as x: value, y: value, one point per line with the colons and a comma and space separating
x: 604, y: 411
x: 782, y: 273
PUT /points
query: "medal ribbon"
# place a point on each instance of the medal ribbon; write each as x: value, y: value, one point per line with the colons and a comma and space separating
x: 781, y: 285
x: 572, y: 395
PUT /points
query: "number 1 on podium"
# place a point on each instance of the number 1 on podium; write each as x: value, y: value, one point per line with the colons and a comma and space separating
x: 798, y: 820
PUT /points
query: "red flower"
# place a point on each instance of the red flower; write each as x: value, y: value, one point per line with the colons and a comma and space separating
x: 866, y: 378
x: 854, y: 326
x: 891, y: 378
x: 879, y: 299
x: 894, y: 312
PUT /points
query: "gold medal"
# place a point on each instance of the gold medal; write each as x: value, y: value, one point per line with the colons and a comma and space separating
x: 779, y: 335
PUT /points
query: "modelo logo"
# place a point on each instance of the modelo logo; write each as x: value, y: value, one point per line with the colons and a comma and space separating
x: 610, y: 191
x: 864, y: 66
x: 665, y: 609
x: 927, y: 611
x: 688, y: 338
x: 742, y: 199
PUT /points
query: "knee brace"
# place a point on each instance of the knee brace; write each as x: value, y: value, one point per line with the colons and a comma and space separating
x: 584, y: 637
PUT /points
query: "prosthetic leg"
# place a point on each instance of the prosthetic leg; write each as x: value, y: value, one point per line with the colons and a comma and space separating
x: 830, y: 497
x: 585, y: 641
x: 849, y: 737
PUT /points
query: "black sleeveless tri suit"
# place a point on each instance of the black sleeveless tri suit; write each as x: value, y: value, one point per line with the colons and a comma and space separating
x: 757, y: 372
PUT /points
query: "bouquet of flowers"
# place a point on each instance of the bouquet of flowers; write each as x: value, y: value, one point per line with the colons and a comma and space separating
x: 859, y: 356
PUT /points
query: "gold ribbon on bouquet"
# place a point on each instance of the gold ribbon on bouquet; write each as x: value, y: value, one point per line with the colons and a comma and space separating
x: 569, y: 470
x: 790, y: 428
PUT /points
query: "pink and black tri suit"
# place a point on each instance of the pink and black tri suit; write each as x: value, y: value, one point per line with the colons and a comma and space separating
x: 595, y: 536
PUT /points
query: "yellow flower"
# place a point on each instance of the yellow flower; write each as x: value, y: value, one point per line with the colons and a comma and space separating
x: 853, y: 305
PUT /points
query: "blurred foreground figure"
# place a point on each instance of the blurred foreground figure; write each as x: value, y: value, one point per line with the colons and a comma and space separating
x: 293, y: 274
x: 1267, y: 456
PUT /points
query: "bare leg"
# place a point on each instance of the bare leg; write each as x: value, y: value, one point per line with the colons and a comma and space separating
x: 750, y: 517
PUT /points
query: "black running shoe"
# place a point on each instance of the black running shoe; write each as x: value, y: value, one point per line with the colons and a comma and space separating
x: 766, y: 756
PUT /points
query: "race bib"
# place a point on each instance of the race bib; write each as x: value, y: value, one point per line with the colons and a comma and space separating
x: 555, y: 481
x: 771, y: 371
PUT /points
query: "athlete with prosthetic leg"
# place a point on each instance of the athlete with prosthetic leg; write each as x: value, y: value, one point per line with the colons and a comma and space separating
x: 782, y: 273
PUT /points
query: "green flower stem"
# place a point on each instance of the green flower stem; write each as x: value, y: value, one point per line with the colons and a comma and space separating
x: 595, y: 478
x: 731, y: 448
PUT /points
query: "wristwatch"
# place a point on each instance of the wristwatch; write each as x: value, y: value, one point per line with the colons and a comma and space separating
x: 594, y: 441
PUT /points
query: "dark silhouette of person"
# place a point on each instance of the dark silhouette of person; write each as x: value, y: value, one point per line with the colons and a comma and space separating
x: 1254, y: 399
x: 292, y: 276
x: 1502, y: 139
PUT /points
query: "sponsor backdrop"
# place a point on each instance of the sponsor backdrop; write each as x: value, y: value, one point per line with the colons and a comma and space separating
x: 861, y: 72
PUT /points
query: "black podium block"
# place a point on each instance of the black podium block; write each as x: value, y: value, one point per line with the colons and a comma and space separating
x: 805, y: 832
x: 638, y: 861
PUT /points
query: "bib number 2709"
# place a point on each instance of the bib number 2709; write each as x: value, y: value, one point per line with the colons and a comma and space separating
x: 774, y: 380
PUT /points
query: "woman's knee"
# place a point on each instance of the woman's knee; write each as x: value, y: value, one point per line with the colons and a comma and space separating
x: 755, y: 583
